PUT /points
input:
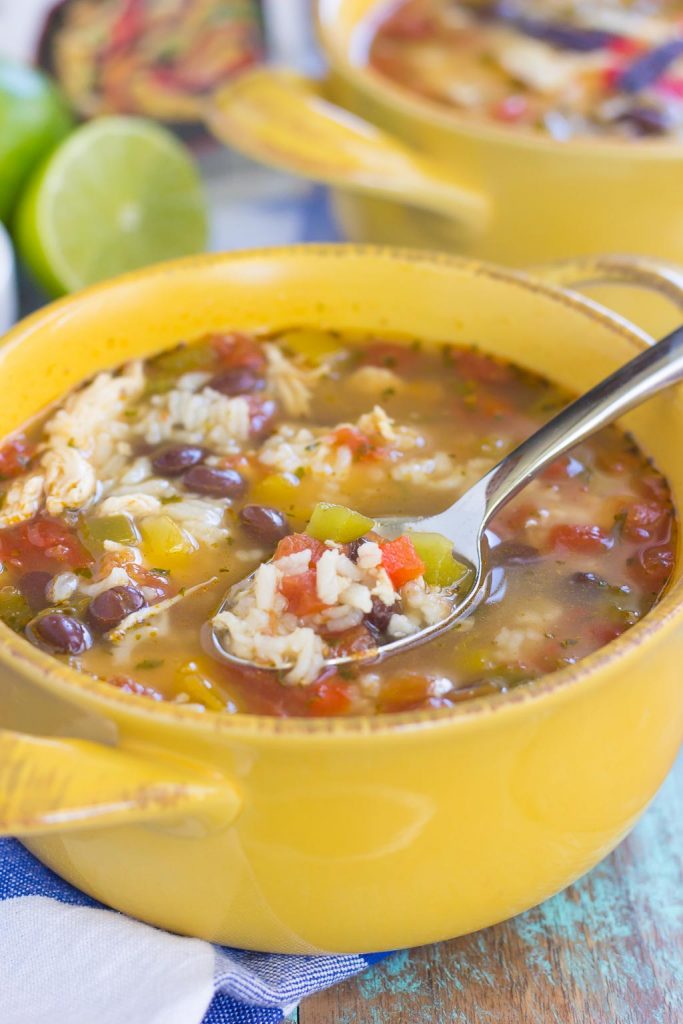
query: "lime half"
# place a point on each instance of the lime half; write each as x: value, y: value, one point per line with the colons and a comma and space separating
x: 119, y: 193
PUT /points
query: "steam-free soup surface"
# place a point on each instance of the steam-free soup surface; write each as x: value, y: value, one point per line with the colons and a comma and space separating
x: 129, y: 509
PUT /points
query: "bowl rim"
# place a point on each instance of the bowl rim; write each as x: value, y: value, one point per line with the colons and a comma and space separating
x: 43, y: 669
x: 383, y: 90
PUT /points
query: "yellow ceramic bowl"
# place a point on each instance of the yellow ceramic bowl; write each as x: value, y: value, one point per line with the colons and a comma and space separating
x: 509, y: 195
x: 302, y: 835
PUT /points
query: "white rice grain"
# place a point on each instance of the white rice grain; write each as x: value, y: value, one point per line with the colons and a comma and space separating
x: 265, y: 586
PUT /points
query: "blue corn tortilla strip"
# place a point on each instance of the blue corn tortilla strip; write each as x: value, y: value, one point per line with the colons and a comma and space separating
x: 562, y: 34
x: 649, y: 68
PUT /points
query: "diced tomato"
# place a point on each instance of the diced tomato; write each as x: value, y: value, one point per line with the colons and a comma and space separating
x: 360, y: 444
x: 652, y: 566
x: 156, y: 584
x: 409, y: 22
x: 390, y: 355
x: 301, y: 594
x: 492, y: 405
x: 474, y: 366
x: 261, y: 692
x: 641, y: 521
x: 604, y: 632
x: 15, y: 456
x: 610, y: 76
x: 41, y: 541
x: 238, y: 350
x: 670, y: 86
x: 585, y: 540
x: 128, y: 26
x: 401, y: 561
x: 517, y: 516
x: 562, y: 469
x: 261, y: 414
x: 511, y: 109
x: 625, y: 46
x: 656, y: 487
x: 130, y: 685
x: 240, y: 462
x: 296, y: 542
x: 404, y: 692
x: 330, y: 697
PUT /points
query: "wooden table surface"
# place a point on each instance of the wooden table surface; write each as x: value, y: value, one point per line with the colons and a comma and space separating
x: 608, y: 950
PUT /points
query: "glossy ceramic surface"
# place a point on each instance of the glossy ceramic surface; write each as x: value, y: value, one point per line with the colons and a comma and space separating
x: 338, y: 835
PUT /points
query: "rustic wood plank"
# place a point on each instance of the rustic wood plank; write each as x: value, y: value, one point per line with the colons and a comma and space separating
x: 608, y: 950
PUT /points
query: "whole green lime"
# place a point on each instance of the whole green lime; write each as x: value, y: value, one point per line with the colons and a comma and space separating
x: 33, y: 118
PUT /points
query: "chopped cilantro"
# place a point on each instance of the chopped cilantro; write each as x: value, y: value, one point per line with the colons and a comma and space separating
x: 346, y: 672
x: 619, y: 520
x: 149, y: 663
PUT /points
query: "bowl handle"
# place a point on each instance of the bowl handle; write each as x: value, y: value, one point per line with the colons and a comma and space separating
x: 281, y: 119
x: 59, y: 785
x: 632, y: 271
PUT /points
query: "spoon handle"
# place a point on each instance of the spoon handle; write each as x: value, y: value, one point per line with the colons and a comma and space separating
x: 649, y: 372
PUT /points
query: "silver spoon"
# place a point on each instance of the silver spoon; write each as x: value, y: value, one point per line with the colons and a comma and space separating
x: 467, y: 518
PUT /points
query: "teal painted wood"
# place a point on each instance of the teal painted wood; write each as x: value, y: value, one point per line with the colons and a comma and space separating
x: 607, y: 950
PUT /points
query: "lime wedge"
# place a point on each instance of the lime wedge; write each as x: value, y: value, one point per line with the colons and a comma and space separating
x: 119, y: 193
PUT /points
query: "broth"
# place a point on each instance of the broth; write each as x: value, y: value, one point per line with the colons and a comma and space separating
x: 132, y: 492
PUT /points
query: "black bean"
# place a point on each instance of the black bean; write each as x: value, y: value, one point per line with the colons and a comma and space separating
x: 239, y: 381
x: 112, y: 606
x: 217, y: 483
x: 511, y: 552
x: 380, y: 615
x: 33, y: 586
x: 175, y: 460
x: 643, y: 120
x: 352, y: 548
x: 264, y: 523
x: 60, y: 634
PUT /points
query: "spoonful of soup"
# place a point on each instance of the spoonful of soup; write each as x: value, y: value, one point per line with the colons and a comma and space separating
x: 409, y: 579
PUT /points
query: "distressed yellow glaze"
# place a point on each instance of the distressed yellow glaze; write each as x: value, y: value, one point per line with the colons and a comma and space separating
x: 359, y: 833
x: 507, y: 194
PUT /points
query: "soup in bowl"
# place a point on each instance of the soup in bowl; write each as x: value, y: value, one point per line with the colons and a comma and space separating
x: 134, y: 503
x: 289, y: 813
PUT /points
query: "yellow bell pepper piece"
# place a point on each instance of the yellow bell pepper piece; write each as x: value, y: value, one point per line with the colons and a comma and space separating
x: 309, y: 342
x: 165, y: 544
x: 284, y: 492
x: 199, y: 688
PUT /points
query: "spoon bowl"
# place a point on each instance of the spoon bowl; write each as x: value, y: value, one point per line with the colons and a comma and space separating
x: 465, y: 521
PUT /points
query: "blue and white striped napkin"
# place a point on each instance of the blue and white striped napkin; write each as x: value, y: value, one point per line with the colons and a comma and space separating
x: 66, y: 959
